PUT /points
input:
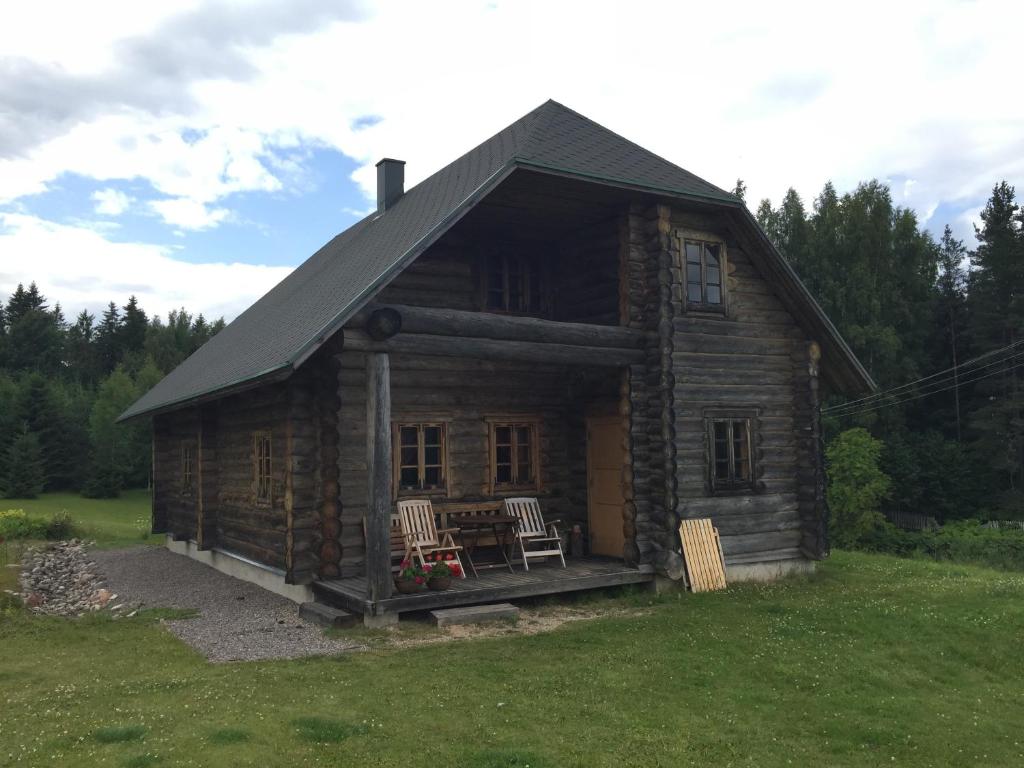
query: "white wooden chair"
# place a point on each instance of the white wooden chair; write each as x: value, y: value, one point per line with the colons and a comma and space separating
x: 532, y: 531
x: 422, y: 536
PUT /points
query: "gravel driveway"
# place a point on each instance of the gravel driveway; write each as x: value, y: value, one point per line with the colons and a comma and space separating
x: 237, y: 620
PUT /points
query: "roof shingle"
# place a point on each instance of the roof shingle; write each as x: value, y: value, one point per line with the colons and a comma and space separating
x: 279, y: 331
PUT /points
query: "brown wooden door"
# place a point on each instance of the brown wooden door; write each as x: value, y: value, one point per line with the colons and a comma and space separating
x: 605, y: 459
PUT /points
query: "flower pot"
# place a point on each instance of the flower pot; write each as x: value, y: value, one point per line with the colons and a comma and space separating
x: 441, y: 582
x: 407, y: 586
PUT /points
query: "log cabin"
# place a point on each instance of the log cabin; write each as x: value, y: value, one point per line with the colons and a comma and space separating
x: 558, y: 313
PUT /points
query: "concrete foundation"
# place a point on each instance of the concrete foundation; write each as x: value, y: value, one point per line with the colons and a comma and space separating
x: 381, y: 621
x: 242, y: 568
x: 770, y: 571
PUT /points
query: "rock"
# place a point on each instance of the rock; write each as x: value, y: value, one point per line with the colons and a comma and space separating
x: 59, y: 580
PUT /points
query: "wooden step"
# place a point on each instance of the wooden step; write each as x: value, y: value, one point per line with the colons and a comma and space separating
x: 327, y: 616
x: 474, y: 614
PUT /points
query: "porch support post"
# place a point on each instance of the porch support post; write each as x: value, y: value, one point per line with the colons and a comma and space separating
x: 378, y: 466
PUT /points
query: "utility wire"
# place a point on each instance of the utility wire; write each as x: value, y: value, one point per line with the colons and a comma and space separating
x: 869, y: 408
x: 857, y: 404
x: 960, y: 367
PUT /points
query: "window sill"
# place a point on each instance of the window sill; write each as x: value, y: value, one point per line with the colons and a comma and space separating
x: 738, y: 490
x: 437, y: 493
x: 512, y: 490
x: 705, y: 310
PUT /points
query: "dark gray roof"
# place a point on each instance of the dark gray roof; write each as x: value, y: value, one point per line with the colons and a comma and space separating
x: 277, y: 333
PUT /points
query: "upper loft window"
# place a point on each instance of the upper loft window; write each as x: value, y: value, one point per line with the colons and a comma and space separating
x: 704, y: 268
x: 512, y: 283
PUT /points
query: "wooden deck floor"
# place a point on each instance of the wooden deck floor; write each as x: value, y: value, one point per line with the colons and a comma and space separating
x: 491, y: 586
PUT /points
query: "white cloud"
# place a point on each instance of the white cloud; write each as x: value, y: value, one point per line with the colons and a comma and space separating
x: 111, y: 202
x: 188, y: 214
x: 780, y: 95
x: 82, y: 269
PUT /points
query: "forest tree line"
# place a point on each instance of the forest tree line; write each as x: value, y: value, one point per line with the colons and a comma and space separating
x: 939, y: 320
x: 939, y: 324
x: 63, y: 384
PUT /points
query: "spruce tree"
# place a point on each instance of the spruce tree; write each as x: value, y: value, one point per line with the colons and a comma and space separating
x: 740, y: 190
x: 35, y: 343
x: 947, y: 343
x: 80, y: 350
x: 108, y: 338
x: 25, y: 475
x: 133, y: 327
x: 996, y: 320
x: 112, y: 445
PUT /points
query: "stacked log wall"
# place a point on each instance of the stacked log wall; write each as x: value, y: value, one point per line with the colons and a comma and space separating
x: 462, y: 393
x: 640, y: 307
x: 753, y: 358
x: 444, y: 276
x: 179, y: 505
x: 208, y: 477
x: 245, y: 525
x: 303, y: 491
x: 585, y: 276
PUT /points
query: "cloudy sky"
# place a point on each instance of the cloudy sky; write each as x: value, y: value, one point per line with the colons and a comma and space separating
x: 192, y: 153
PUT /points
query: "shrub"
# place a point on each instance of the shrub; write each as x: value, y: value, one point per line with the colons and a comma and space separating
x: 16, y: 524
x: 61, y: 526
x: 964, y: 541
x: 856, y: 486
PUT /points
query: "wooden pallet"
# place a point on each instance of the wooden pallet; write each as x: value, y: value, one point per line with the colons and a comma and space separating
x: 702, y: 551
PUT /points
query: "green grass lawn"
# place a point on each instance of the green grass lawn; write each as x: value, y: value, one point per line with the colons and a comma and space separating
x: 120, y: 522
x: 873, y: 661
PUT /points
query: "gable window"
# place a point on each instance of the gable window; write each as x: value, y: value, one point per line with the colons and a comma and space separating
x: 262, y: 466
x: 420, y: 457
x: 730, y: 445
x: 188, y: 468
x: 512, y: 284
x: 514, y: 455
x: 703, y: 264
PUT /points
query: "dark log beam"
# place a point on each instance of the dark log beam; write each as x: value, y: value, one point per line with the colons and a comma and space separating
x: 378, y: 465
x: 485, y: 325
x: 494, y: 349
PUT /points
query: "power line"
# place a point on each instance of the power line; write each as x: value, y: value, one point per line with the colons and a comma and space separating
x: 955, y: 368
x: 842, y: 409
x: 870, y: 409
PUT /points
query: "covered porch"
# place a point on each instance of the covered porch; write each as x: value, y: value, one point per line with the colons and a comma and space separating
x: 458, y: 377
x: 353, y: 594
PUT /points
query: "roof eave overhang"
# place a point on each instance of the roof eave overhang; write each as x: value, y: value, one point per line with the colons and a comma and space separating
x: 272, y: 376
x: 844, y: 371
x: 385, y: 277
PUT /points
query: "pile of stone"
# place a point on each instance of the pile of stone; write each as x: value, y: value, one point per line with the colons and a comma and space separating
x: 60, y: 580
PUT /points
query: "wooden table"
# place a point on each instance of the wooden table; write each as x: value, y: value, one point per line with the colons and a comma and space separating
x: 475, y: 525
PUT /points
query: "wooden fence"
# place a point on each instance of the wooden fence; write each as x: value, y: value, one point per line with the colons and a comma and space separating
x: 912, y: 521
x: 1005, y: 525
